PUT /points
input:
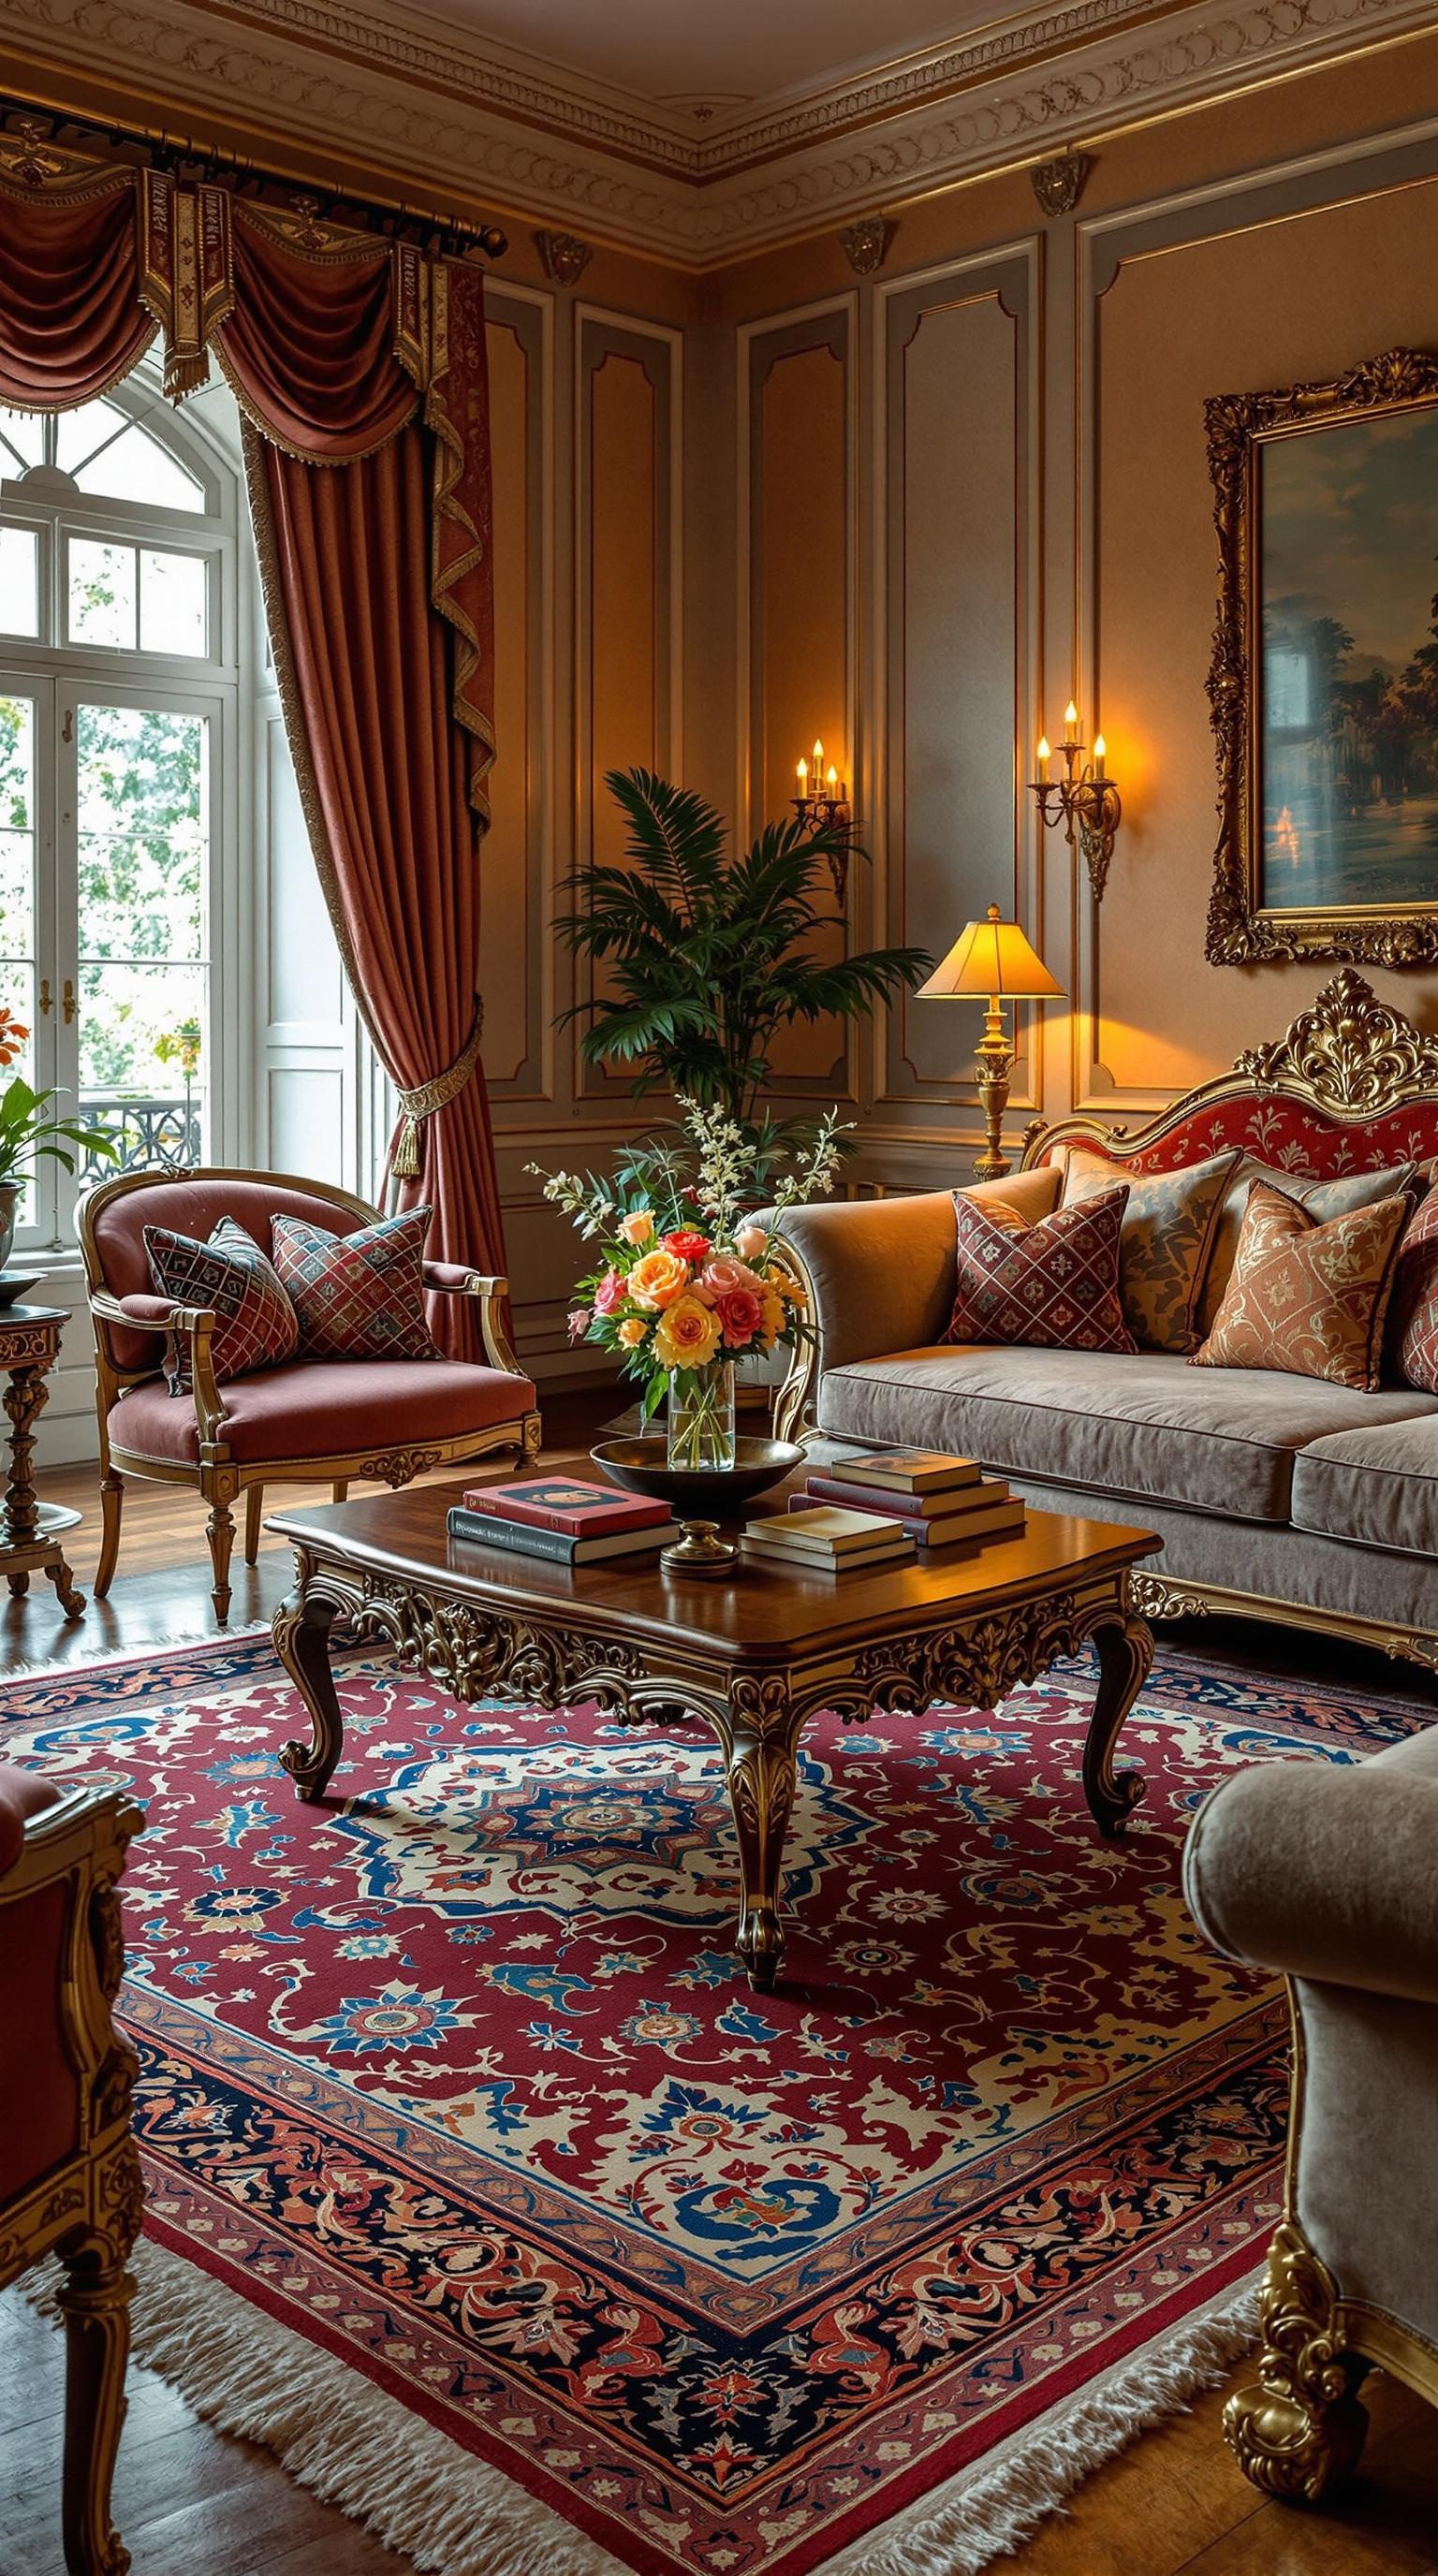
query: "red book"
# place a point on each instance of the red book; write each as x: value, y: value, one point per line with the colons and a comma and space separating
x: 568, y: 1504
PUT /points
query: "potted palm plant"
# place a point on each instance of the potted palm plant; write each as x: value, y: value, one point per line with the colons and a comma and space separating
x: 706, y: 953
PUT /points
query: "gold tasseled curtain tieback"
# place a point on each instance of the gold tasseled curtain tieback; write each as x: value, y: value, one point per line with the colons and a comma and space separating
x: 425, y: 1097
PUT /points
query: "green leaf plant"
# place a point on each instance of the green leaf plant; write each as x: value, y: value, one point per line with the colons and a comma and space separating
x: 26, y: 1133
x: 706, y: 952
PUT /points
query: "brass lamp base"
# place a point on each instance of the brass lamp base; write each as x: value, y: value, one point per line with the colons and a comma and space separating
x: 996, y: 1065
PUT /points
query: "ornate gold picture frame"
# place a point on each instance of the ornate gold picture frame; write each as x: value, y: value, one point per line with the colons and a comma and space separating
x: 1324, y: 680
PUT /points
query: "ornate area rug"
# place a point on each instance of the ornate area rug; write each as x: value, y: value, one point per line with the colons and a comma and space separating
x: 563, y: 2252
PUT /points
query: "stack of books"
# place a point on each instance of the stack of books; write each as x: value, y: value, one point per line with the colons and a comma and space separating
x: 937, y: 1501
x: 564, y: 1518
x: 826, y: 1542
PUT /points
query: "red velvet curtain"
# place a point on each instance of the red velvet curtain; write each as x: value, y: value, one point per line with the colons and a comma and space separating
x: 360, y: 367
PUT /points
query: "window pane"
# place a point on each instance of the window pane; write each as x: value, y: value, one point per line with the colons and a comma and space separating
x: 144, y: 832
x: 102, y: 593
x: 137, y: 468
x: 22, y: 441
x: 141, y: 1031
x: 17, y: 765
x: 17, y: 896
x: 172, y: 603
x: 79, y: 433
x: 19, y: 581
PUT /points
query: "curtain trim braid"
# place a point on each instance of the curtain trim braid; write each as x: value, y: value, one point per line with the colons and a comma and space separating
x: 424, y: 1098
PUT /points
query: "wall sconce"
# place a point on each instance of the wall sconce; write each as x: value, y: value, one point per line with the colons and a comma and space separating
x: 991, y: 961
x: 822, y: 805
x: 1084, y: 801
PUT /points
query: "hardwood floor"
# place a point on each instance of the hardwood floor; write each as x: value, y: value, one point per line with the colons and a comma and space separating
x: 190, y: 2500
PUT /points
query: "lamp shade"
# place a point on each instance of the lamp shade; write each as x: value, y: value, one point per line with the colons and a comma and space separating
x: 991, y: 957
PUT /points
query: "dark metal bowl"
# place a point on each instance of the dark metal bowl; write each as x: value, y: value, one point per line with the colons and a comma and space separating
x: 639, y: 1465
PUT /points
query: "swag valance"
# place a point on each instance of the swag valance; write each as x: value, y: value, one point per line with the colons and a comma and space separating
x: 358, y: 362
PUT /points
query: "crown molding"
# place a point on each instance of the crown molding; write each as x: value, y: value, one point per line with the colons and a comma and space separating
x: 420, y: 106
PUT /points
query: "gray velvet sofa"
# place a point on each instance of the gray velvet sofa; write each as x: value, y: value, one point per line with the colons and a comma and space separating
x: 1326, y: 1873
x: 1280, y: 1496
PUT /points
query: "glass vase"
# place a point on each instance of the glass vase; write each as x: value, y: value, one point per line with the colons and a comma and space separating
x: 699, y: 1423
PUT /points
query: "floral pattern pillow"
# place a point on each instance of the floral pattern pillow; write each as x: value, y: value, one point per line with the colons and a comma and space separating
x: 1054, y: 1283
x: 1307, y: 1298
x: 1413, y: 1315
x: 357, y: 1296
x: 1167, y: 1237
x: 1323, y: 1199
x: 257, y: 1325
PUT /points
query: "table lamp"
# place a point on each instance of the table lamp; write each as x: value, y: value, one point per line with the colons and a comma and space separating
x: 992, y: 958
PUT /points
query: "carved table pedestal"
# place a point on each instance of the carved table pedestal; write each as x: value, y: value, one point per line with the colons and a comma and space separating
x: 29, y: 1539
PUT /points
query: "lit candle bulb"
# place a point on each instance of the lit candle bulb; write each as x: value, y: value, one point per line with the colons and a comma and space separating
x: 803, y: 778
x: 1045, y: 755
x: 818, y: 761
x: 831, y: 778
x: 1070, y: 722
x: 1099, y: 750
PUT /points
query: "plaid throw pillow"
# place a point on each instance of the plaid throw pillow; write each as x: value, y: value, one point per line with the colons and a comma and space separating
x: 1055, y: 1283
x: 1308, y: 1298
x: 358, y: 1296
x: 257, y: 1325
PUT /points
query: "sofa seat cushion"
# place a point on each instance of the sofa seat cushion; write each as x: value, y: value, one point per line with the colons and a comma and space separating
x: 1150, y: 1425
x: 326, y: 1409
x: 1379, y: 1485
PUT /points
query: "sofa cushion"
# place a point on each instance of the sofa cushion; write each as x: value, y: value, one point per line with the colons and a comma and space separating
x: 1413, y: 1313
x: 1054, y: 1283
x: 257, y: 1324
x: 326, y: 1409
x: 1151, y: 1426
x: 1379, y: 1486
x: 1165, y: 1242
x: 1308, y: 1299
x: 1323, y: 1199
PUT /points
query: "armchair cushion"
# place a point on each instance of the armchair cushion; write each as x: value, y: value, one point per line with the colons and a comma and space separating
x: 23, y: 1794
x: 257, y: 1324
x: 312, y: 1409
x: 357, y: 1296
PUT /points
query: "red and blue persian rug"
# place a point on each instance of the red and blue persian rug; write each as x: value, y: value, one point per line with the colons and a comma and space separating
x: 537, y: 2240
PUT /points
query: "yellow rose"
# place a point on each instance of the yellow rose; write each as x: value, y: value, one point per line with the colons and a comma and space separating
x: 784, y: 1286
x: 688, y: 1335
x: 773, y: 1313
x: 638, y: 1228
x: 657, y: 1279
x: 632, y: 1332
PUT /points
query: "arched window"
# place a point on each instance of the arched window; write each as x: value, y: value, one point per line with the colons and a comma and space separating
x: 119, y: 767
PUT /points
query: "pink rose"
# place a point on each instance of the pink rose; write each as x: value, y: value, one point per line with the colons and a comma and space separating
x: 740, y: 1316
x: 752, y: 1242
x: 579, y: 1323
x: 610, y: 1294
x: 725, y: 1273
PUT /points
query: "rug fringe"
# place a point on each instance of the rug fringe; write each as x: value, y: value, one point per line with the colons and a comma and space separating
x: 351, y: 2443
x: 451, y: 2514
x: 994, y: 2506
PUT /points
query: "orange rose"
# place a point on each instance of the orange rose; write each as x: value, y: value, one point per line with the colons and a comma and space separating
x: 657, y: 1279
x: 688, y: 1336
x: 638, y: 1228
x: 632, y: 1331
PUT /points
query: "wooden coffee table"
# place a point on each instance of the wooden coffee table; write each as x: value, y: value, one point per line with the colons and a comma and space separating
x: 754, y: 1655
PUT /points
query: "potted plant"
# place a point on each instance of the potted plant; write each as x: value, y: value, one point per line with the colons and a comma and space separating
x: 705, y: 952
x: 26, y: 1132
x: 684, y: 1281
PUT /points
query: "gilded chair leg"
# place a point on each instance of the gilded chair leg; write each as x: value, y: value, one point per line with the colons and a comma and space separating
x: 254, y: 1511
x: 112, y: 1501
x: 220, y: 1531
x: 95, y: 2303
x: 1299, y: 2427
x: 340, y: 1489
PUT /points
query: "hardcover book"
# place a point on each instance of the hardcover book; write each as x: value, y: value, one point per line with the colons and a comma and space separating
x: 804, y: 1560
x: 909, y: 1471
x: 527, y: 1538
x: 999, y: 1516
x: 940, y: 1504
x: 569, y: 1504
x: 826, y: 1531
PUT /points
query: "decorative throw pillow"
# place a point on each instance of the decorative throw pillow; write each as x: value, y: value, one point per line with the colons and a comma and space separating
x: 1323, y: 1199
x: 357, y: 1296
x: 1308, y: 1298
x: 1054, y: 1283
x: 1413, y: 1315
x: 1168, y: 1230
x: 257, y: 1325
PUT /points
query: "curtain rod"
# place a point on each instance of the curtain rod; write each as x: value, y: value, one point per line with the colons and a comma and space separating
x: 454, y: 235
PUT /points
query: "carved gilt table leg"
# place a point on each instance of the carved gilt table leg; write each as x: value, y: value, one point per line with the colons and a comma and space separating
x: 26, y: 1395
x: 1300, y: 2428
x: 300, y: 1628
x: 760, y: 1734
x: 1124, y: 1646
x: 94, y: 2299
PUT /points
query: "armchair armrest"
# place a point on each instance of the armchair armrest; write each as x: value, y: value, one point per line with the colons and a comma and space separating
x: 454, y: 1279
x: 141, y: 1312
x: 23, y: 1794
x: 1322, y: 1873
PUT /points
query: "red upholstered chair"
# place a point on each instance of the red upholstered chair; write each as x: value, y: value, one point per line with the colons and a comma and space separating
x: 69, y: 2173
x: 326, y: 1420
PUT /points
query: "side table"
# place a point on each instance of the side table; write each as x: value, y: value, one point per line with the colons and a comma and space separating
x: 29, y: 1345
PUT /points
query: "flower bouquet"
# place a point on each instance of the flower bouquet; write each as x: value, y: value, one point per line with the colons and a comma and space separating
x: 686, y: 1280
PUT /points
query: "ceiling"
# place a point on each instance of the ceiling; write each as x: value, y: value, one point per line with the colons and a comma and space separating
x: 730, y: 52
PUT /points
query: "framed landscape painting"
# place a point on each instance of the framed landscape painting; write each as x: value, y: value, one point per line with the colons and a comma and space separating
x: 1324, y: 682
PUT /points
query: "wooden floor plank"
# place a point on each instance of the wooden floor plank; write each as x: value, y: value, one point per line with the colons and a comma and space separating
x: 192, y: 2500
